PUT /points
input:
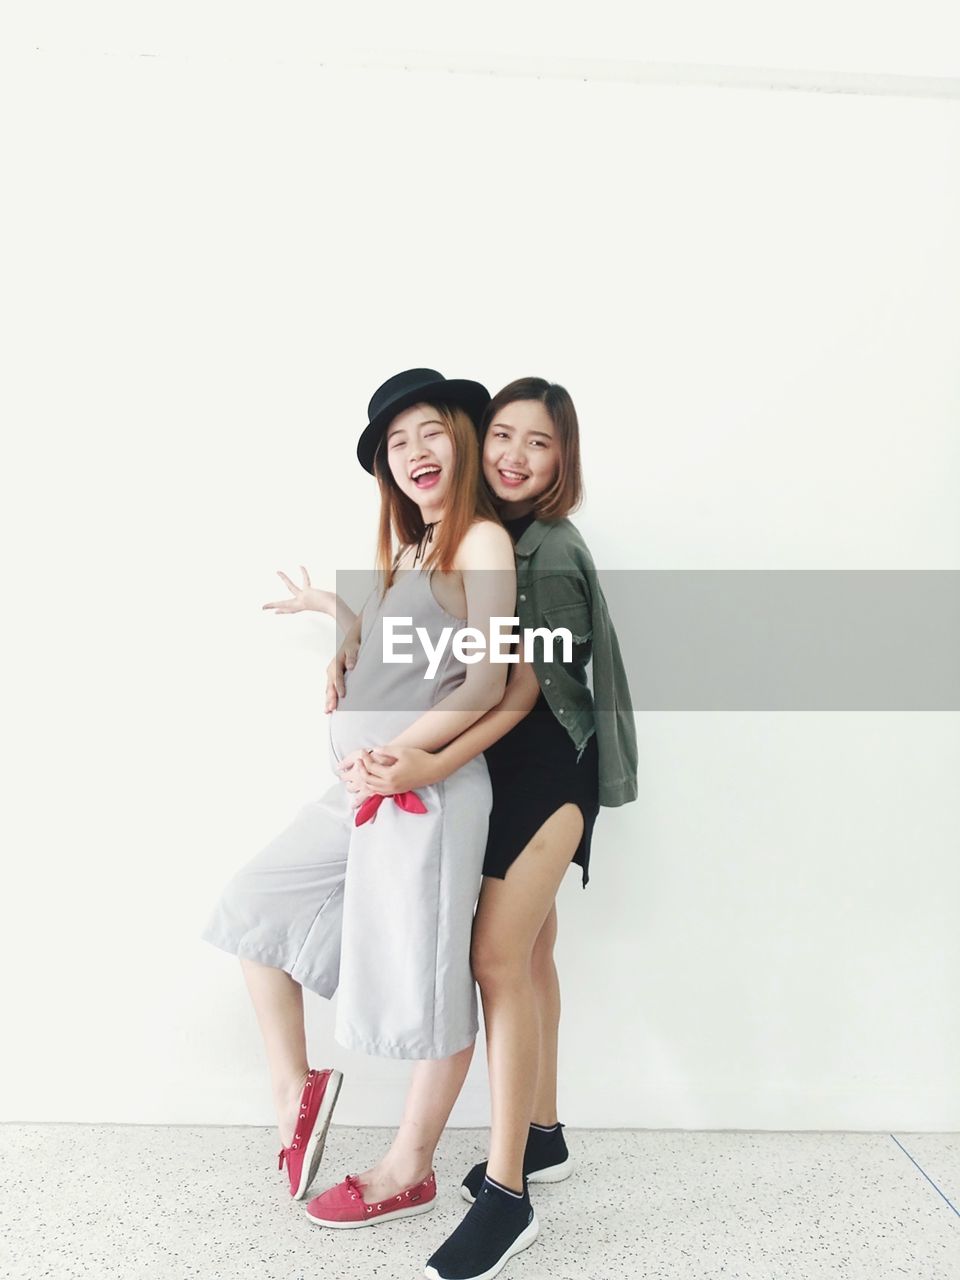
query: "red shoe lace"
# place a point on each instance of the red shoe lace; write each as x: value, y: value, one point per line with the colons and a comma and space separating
x: 354, y: 1186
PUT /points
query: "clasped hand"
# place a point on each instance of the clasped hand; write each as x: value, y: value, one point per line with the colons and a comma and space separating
x: 386, y: 771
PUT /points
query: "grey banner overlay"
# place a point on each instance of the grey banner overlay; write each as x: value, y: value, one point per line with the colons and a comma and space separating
x: 775, y: 640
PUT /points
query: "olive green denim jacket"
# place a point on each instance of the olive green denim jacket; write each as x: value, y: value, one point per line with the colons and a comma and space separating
x: 558, y: 586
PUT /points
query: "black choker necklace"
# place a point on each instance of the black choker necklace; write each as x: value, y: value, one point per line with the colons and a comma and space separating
x: 425, y: 539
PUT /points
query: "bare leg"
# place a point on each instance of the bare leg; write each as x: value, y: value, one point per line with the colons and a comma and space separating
x: 510, y: 915
x: 278, y: 1002
x: 547, y: 987
x: 434, y: 1088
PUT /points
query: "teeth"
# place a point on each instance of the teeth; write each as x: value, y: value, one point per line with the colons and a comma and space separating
x: 513, y: 475
x: 425, y: 471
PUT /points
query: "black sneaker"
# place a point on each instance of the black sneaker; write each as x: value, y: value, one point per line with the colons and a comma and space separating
x: 499, y: 1224
x: 545, y: 1159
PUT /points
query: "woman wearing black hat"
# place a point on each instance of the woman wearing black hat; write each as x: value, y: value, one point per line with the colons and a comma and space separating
x: 573, y: 752
x: 376, y: 902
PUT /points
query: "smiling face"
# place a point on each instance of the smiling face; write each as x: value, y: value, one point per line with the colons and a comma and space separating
x: 521, y: 455
x: 420, y: 456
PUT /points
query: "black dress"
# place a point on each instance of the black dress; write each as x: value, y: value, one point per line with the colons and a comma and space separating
x: 533, y: 771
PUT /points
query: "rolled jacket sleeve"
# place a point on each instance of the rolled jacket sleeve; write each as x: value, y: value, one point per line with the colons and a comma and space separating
x: 558, y: 585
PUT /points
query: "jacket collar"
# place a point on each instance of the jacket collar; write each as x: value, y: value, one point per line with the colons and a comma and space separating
x: 531, y: 538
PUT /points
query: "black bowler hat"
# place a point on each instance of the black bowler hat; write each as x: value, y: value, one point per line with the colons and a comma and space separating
x: 411, y: 387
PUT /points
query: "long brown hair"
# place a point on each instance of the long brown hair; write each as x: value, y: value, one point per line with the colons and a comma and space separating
x: 467, y: 500
x: 566, y: 492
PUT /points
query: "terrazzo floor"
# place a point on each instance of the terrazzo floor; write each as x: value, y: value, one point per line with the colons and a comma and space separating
x: 141, y: 1202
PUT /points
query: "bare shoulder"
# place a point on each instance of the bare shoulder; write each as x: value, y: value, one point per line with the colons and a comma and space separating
x: 485, y: 545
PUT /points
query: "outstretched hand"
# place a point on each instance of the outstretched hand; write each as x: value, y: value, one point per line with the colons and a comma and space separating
x: 303, y: 597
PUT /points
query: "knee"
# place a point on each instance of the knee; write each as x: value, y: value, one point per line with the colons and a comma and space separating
x: 495, y: 967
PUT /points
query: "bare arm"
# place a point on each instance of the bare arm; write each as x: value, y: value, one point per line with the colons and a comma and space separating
x: 309, y: 597
x: 384, y: 771
x: 518, y: 701
x: 351, y: 637
x: 343, y: 615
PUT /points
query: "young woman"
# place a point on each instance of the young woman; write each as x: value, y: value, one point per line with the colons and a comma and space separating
x: 378, y: 904
x: 571, y: 754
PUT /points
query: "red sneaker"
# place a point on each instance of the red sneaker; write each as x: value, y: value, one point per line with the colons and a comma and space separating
x: 344, y: 1206
x: 313, y: 1119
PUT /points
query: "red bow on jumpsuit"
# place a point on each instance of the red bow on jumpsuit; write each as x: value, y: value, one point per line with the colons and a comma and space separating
x: 409, y: 801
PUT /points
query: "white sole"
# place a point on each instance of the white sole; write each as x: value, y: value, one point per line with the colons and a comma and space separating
x: 314, y: 1152
x: 556, y: 1173
x: 373, y: 1222
x: 523, y: 1241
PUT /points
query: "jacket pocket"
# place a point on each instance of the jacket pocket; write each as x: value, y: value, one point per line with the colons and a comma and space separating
x: 574, y: 616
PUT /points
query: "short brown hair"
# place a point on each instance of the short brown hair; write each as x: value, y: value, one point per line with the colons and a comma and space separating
x: 566, y: 492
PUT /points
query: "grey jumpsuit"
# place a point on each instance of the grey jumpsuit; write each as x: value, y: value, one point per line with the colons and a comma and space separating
x: 381, y: 913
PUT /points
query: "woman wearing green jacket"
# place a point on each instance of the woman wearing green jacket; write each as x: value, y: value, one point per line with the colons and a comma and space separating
x: 572, y: 751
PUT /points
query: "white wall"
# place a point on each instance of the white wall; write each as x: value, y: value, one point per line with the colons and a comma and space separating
x: 840, y: 36
x: 754, y: 300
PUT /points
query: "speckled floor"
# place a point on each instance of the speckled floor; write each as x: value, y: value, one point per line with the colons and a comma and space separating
x: 136, y: 1202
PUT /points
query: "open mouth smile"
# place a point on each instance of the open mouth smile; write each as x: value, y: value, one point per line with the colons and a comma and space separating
x: 426, y: 477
